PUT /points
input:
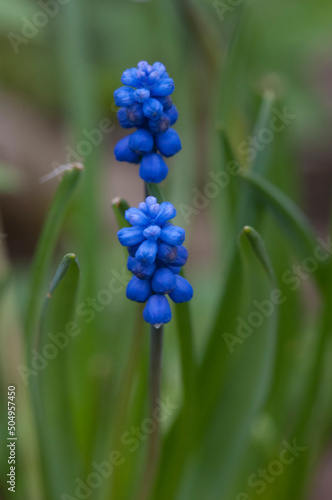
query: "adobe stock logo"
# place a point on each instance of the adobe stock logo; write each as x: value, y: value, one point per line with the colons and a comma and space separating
x: 223, y: 7
x: 90, y: 139
x: 260, y: 480
x: 31, y: 27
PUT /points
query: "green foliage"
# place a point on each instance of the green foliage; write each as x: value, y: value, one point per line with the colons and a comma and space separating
x: 247, y: 362
x: 55, y: 426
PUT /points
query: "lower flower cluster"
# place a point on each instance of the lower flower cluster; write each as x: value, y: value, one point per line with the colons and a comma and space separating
x: 156, y: 255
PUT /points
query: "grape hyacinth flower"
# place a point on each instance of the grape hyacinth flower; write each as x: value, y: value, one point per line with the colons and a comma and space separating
x: 156, y: 255
x: 145, y: 103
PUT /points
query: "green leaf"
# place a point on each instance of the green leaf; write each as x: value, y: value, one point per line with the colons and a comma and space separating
x: 247, y: 208
x: 247, y: 213
x: 259, y: 248
x: 61, y: 272
x: 51, y: 387
x: 120, y: 206
x: 186, y: 343
x: 287, y: 213
x: 46, y: 246
x: 248, y: 365
x: 261, y: 160
x: 230, y: 159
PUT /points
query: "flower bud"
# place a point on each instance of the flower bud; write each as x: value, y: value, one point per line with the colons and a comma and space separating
x: 167, y: 253
x: 141, y: 95
x: 130, y: 263
x: 123, y: 118
x: 129, y: 77
x: 164, y: 88
x: 160, y: 68
x: 165, y: 213
x: 161, y: 125
x: 152, y: 232
x: 123, y: 152
x: 157, y: 310
x: 153, y: 79
x: 173, y: 235
x: 135, y: 217
x: 182, y: 256
x: 166, y: 102
x: 163, y: 281
x: 130, y: 236
x: 168, y: 143
x: 153, y: 168
x: 183, y: 291
x: 124, y: 96
x: 143, y: 270
x: 138, y: 290
x: 141, y: 142
x: 135, y: 115
x: 174, y: 269
x: 152, y: 109
x: 172, y: 114
x: 147, y: 251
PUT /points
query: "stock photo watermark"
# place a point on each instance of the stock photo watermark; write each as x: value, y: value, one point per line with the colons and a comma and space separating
x: 130, y: 440
x: 48, y: 9
x: 90, y: 139
x: 248, y: 149
x: 264, y: 309
x: 256, y: 143
x: 12, y: 438
x: 260, y: 480
x: 223, y: 7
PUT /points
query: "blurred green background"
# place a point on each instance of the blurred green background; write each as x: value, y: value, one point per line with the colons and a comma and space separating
x: 60, y: 62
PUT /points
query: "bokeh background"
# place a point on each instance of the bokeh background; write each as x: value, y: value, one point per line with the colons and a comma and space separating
x: 57, y: 77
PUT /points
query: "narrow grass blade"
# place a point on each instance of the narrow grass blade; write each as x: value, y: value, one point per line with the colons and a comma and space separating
x: 46, y: 245
x: 287, y: 213
x: 231, y: 163
x: 51, y: 385
x: 259, y: 248
x: 262, y: 156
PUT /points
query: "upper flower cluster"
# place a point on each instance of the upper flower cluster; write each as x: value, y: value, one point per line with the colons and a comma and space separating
x: 156, y: 255
x: 145, y: 103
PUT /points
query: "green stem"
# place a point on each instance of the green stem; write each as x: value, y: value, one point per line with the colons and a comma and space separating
x: 149, y: 474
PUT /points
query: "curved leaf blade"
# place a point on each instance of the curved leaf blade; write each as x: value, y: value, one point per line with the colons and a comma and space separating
x: 287, y: 213
x: 120, y: 206
x: 45, y: 247
x: 51, y: 386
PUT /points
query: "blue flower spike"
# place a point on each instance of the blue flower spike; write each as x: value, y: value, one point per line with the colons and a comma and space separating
x: 156, y: 255
x: 145, y: 103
